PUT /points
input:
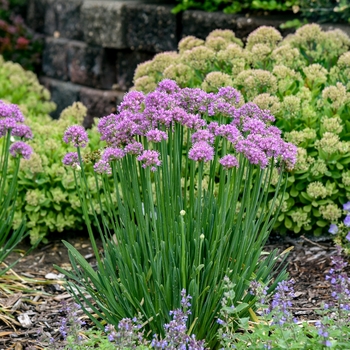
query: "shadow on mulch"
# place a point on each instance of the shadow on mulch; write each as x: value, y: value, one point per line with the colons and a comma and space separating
x: 39, y: 306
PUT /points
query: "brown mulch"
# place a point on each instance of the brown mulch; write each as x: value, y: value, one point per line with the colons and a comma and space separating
x: 39, y: 306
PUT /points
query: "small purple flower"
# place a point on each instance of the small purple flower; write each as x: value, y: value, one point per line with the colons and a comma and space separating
x: 203, y: 135
x: 77, y: 135
x: 134, y: 148
x: 71, y: 159
x: 347, y: 220
x: 6, y: 125
x: 220, y: 322
x: 150, y: 159
x: 346, y: 206
x: 156, y: 135
x: 201, y: 151
x: 348, y: 236
x: 22, y: 149
x: 333, y: 229
x: 229, y: 161
x: 103, y: 167
x: 112, y: 153
x: 8, y: 110
x: 22, y: 131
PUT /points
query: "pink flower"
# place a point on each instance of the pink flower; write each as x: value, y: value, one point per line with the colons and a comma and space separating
x: 103, y: 167
x: 201, y: 151
x: 71, y: 159
x: 22, y: 131
x: 111, y: 154
x: 229, y: 161
x: 77, y: 135
x: 22, y: 149
x: 150, y: 159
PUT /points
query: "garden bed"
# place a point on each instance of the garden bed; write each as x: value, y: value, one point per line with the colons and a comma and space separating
x: 309, y: 260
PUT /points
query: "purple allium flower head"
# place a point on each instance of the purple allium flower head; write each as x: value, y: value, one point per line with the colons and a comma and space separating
x: 201, y: 151
x: 6, y: 125
x: 77, y: 135
x: 22, y: 131
x: 252, y: 152
x: 168, y: 86
x: 203, y: 135
x: 22, y: 149
x: 71, y: 159
x: 103, y: 167
x: 229, y: 161
x: 348, y: 236
x: 132, y: 101
x: 347, y: 220
x: 333, y: 229
x: 112, y: 153
x: 346, y: 206
x: 156, y: 135
x: 134, y: 148
x: 8, y: 110
x: 149, y: 159
x: 229, y: 94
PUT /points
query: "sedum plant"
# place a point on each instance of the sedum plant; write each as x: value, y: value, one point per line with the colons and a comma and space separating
x: 13, y: 132
x: 174, y: 229
x: 303, y: 80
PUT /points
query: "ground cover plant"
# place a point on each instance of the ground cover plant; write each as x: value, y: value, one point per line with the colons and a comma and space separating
x: 303, y: 80
x: 13, y: 132
x: 316, y: 10
x: 174, y: 229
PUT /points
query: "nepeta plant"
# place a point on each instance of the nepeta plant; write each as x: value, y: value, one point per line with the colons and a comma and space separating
x: 275, y: 327
x: 303, y: 80
x: 172, y: 227
x: 12, y: 148
x: 341, y: 231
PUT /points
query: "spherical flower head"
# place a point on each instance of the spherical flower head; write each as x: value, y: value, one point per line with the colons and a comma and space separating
x: 76, y: 135
x: 333, y: 229
x: 149, y: 159
x: 112, y: 153
x: 229, y: 161
x: 22, y: 131
x: 168, y: 86
x: 202, y: 135
x: 264, y: 35
x: 20, y: 148
x: 189, y: 42
x: 6, y: 125
x: 8, y: 110
x: 316, y: 189
x: 226, y: 34
x: 132, y: 101
x: 201, y: 151
x: 215, y: 80
x: 181, y: 73
x: 156, y: 135
x: 347, y: 220
x: 134, y: 148
x: 103, y: 167
x: 71, y: 159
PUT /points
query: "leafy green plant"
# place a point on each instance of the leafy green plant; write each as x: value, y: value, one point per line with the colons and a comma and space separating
x: 303, y: 80
x: 341, y: 231
x: 174, y: 228
x: 276, y: 328
x: 12, y: 132
x: 17, y: 42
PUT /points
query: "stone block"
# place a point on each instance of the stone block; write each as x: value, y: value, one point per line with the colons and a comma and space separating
x: 36, y: 15
x: 91, y: 65
x: 62, y: 93
x: 103, y: 23
x: 55, y: 58
x: 62, y: 18
x: 99, y: 103
x: 127, y: 61
x: 200, y: 23
x: 150, y: 28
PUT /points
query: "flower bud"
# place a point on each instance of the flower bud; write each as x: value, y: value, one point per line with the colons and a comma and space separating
x: 182, y: 213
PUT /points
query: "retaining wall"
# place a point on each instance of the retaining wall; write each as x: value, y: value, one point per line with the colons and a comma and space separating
x: 93, y: 47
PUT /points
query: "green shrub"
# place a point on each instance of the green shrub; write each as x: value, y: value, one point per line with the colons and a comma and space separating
x: 304, y: 80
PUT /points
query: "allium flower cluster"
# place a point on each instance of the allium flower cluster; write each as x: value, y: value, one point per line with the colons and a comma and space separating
x: 71, y: 159
x: 152, y: 117
x: 12, y: 111
x: 22, y: 149
x: 76, y: 135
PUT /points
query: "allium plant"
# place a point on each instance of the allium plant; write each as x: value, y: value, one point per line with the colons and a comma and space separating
x: 303, y: 80
x: 173, y: 228
x: 13, y: 149
x: 274, y: 326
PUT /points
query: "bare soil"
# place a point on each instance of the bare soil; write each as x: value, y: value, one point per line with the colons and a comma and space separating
x: 309, y: 260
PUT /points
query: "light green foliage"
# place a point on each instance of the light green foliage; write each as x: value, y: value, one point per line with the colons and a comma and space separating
x: 303, y: 80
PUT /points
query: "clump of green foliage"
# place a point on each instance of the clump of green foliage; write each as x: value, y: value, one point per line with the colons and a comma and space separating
x: 17, y: 42
x: 319, y: 10
x: 46, y: 199
x: 303, y: 80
